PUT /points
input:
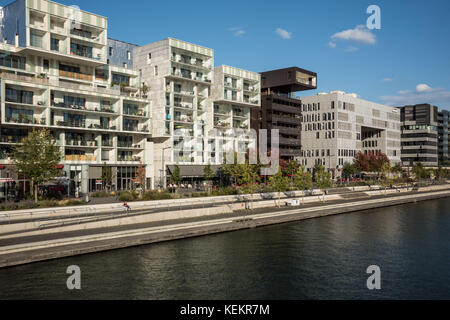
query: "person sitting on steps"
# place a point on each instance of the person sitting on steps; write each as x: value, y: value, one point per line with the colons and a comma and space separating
x: 126, y: 207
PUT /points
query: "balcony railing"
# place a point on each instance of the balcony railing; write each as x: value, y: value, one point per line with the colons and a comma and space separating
x: 128, y: 158
x: 11, y: 139
x: 107, y: 143
x: 75, y: 75
x: 85, y: 158
x: 82, y: 143
x: 222, y: 125
x: 82, y: 108
x: 139, y: 113
x: 239, y: 114
x: 34, y: 79
x: 27, y: 120
x: 191, y: 77
x: 72, y: 124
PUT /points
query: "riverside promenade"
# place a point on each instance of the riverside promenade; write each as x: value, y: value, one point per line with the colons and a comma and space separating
x: 31, y: 236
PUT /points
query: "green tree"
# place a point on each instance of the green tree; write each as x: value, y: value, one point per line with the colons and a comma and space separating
x: 291, y: 170
x: 419, y: 171
x: 249, y: 178
x: 107, y: 176
x: 37, y: 158
x: 385, y: 178
x: 302, y: 180
x: 141, y: 177
x: 350, y: 169
x: 208, y: 175
x: 233, y: 170
x: 278, y: 183
x: 176, y: 176
x: 397, y: 169
x: 322, y: 179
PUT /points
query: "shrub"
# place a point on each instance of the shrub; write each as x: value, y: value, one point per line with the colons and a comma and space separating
x: 154, y: 195
x: 127, y: 196
x: 71, y: 202
x: 49, y: 204
x: 228, y: 191
x: 101, y: 194
x: 200, y: 194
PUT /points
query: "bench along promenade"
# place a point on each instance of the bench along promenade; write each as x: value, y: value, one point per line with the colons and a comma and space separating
x: 37, y: 235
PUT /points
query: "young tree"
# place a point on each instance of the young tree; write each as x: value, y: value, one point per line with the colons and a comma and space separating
x: 291, y: 169
x: 176, y: 176
x: 107, y: 176
x: 141, y: 177
x: 302, y: 180
x: 278, y: 183
x: 208, y: 175
x: 249, y: 178
x: 419, y: 171
x: 385, y: 179
x: 361, y: 162
x: 322, y: 180
x: 350, y: 170
x: 376, y: 161
x: 397, y: 169
x: 37, y: 158
x: 233, y: 170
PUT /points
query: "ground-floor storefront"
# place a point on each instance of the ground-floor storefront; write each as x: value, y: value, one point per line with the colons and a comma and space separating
x: 73, y: 181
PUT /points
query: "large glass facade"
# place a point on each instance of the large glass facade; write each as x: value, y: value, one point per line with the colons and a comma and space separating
x: 12, y: 61
x: 19, y: 115
x: 18, y: 96
x: 80, y: 49
x: 126, y: 177
x: 119, y: 78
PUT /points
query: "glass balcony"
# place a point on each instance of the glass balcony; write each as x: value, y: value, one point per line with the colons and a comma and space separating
x: 81, y: 158
x: 75, y: 75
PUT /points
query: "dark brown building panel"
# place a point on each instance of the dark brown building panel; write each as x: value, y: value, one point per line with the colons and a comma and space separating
x: 280, y: 109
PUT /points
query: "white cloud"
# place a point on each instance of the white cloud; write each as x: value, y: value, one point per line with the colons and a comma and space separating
x: 237, y: 31
x: 360, y: 34
x: 423, y: 88
x: 332, y: 45
x: 283, y: 33
x: 423, y: 94
x: 387, y: 80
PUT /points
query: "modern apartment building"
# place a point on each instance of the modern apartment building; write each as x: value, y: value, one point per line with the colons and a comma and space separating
x: 336, y: 126
x: 280, y: 109
x: 55, y: 75
x: 192, y: 101
x: 180, y: 76
x: 420, y: 135
x: 235, y: 94
x: 443, y: 136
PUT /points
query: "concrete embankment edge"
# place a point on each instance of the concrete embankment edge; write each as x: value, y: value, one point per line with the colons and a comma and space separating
x: 143, y: 239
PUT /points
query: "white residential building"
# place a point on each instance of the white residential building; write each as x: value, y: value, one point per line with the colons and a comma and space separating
x: 235, y: 93
x: 191, y: 101
x: 54, y: 74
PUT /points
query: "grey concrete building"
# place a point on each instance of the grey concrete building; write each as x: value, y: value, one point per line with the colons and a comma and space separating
x: 336, y: 126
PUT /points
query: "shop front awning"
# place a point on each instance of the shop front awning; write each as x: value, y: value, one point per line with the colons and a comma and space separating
x: 194, y: 171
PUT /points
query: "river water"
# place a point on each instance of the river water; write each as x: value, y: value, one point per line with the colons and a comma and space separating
x: 324, y: 258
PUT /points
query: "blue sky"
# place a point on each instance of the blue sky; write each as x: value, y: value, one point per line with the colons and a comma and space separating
x: 407, y: 61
